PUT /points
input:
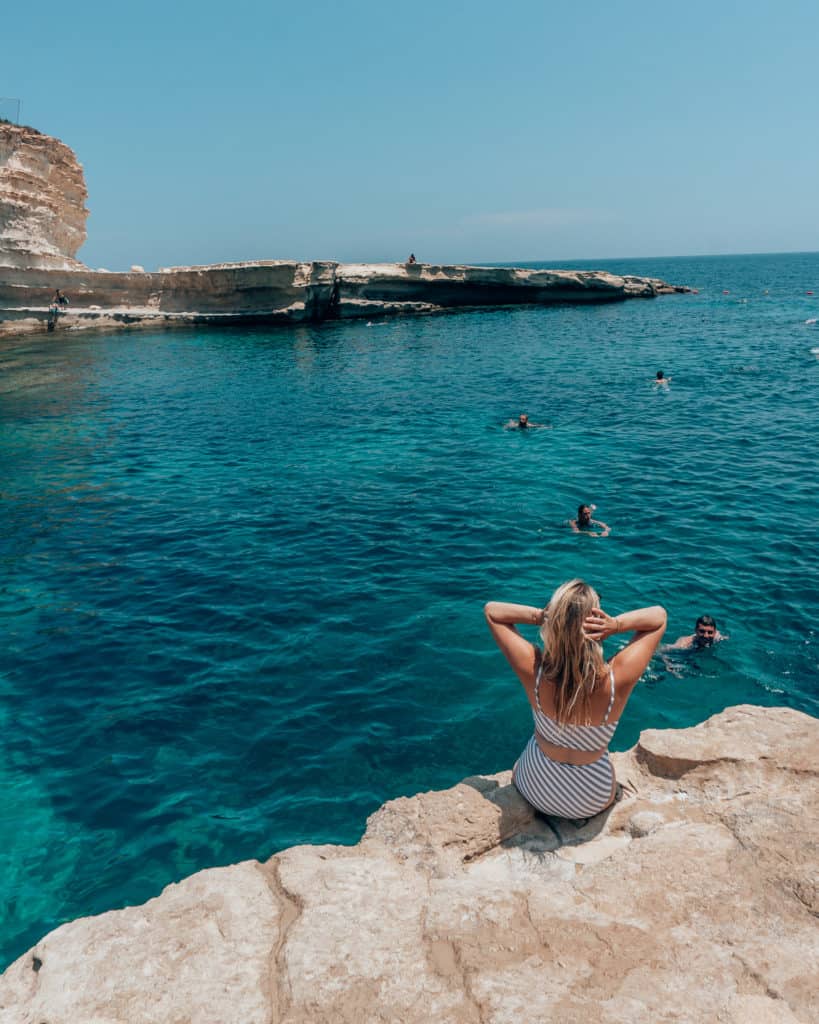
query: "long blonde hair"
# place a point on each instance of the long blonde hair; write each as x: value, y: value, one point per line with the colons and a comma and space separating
x: 572, y: 662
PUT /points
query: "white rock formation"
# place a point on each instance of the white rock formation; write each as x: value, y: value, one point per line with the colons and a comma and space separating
x: 42, y: 226
x: 42, y: 201
x: 693, y: 900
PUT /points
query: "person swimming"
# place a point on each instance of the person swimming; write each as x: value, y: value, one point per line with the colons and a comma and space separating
x: 584, y: 522
x: 705, y: 635
x: 524, y: 423
x: 661, y: 381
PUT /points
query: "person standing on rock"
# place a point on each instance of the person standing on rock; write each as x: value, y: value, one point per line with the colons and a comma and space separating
x: 57, y: 302
x: 576, y: 696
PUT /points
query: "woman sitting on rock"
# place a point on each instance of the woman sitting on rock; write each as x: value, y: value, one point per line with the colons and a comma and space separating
x: 576, y: 697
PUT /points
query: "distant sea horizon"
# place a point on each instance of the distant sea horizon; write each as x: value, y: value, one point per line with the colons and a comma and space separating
x: 677, y: 256
x: 557, y: 264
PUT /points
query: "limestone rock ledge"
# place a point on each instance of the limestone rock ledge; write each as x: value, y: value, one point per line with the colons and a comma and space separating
x: 42, y: 226
x: 286, y: 291
x: 694, y: 899
x: 451, y: 287
x: 42, y: 201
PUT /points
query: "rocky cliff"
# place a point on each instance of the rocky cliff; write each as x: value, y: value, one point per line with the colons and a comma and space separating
x: 271, y: 291
x: 42, y: 225
x: 693, y: 900
x: 42, y: 201
x: 285, y: 291
x: 428, y: 287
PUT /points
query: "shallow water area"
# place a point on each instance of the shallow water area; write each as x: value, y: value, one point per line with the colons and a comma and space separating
x: 244, y: 571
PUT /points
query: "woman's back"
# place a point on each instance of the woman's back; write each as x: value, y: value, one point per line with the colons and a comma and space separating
x: 575, y: 695
x: 592, y: 733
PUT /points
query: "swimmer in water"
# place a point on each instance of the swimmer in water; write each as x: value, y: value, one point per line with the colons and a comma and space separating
x: 523, y: 423
x: 705, y: 634
x: 584, y: 522
x: 661, y: 381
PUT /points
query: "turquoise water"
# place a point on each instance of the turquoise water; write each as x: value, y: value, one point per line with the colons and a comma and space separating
x: 244, y: 571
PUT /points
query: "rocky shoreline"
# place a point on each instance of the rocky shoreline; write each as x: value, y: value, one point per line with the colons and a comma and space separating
x: 287, y: 292
x: 693, y: 899
x: 42, y: 227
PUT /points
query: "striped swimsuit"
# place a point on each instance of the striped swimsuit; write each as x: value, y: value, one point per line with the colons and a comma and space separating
x: 566, y: 790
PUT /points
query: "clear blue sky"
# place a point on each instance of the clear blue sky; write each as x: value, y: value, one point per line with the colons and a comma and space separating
x: 466, y: 132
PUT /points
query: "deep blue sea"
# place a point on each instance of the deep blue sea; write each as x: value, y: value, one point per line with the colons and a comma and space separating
x: 243, y: 571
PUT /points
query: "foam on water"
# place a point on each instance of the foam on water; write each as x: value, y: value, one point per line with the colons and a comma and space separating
x: 244, y: 572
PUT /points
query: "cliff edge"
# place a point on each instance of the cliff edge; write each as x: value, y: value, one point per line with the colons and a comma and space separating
x: 693, y: 899
x: 42, y: 201
x: 42, y: 226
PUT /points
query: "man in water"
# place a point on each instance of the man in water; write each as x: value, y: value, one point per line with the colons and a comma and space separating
x: 661, y: 381
x: 584, y: 522
x: 705, y: 634
x: 523, y: 423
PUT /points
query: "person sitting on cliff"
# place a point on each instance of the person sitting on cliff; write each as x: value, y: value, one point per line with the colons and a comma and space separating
x: 524, y: 423
x: 59, y: 299
x: 576, y: 697
x: 584, y: 522
x: 412, y: 258
x: 705, y: 634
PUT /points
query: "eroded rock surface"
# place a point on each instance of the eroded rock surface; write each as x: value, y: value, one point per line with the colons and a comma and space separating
x: 42, y: 201
x: 42, y: 226
x: 364, y: 285
x: 285, y: 291
x: 694, y: 899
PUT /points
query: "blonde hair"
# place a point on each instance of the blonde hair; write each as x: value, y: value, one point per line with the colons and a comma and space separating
x: 572, y: 662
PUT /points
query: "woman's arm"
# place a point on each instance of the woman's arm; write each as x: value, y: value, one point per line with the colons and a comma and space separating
x: 648, y: 626
x: 502, y: 618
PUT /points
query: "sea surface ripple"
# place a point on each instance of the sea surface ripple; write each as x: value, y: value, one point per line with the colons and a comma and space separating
x: 244, y: 570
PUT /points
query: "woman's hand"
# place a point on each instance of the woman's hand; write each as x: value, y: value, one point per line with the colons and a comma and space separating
x: 598, y: 625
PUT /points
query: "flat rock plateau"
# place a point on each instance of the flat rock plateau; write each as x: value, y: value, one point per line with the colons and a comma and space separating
x: 42, y: 226
x: 693, y: 899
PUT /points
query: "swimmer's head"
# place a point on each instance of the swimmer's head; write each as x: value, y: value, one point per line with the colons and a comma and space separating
x: 572, y: 661
x: 584, y: 515
x: 705, y: 631
x: 523, y: 420
x: 660, y: 375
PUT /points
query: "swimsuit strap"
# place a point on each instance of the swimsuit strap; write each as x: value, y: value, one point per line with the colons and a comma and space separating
x: 611, y: 701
